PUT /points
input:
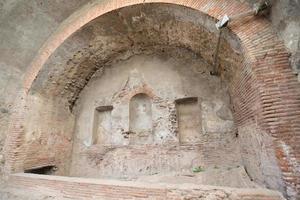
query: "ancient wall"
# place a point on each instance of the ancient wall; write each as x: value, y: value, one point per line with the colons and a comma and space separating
x: 26, y: 26
x: 263, y: 89
x: 286, y: 20
x: 175, y: 102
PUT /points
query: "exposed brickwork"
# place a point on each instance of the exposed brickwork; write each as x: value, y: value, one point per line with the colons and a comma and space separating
x: 270, y: 96
x: 77, y: 188
x: 46, y: 156
x: 14, y: 150
x: 264, y: 89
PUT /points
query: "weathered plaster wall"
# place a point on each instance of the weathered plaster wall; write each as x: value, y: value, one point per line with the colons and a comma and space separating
x: 164, y: 77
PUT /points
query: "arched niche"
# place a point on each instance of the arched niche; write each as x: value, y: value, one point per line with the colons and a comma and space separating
x: 140, y: 118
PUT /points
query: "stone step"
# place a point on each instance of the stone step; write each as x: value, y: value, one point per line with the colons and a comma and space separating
x: 32, y: 186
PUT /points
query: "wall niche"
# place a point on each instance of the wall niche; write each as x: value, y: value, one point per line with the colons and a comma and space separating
x: 102, y: 125
x: 140, y: 119
x: 148, y: 120
x: 189, y: 120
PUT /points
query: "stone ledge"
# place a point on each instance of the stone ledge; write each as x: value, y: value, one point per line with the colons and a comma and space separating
x: 60, y: 187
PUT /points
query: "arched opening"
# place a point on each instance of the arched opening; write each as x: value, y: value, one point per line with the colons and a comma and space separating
x: 63, y: 81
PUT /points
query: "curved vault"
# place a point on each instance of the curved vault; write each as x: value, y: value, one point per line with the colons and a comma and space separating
x: 129, y: 31
x: 65, y: 65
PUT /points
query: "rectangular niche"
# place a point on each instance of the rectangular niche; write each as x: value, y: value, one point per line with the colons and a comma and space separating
x: 102, y: 125
x: 189, y: 119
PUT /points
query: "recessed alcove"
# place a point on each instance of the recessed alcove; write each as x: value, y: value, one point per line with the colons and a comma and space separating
x: 148, y: 118
x: 189, y: 119
x: 139, y: 103
x: 102, y: 124
x: 155, y: 128
x: 140, y: 119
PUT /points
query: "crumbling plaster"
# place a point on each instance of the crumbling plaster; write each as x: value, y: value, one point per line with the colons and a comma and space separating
x: 181, y: 74
x: 72, y: 94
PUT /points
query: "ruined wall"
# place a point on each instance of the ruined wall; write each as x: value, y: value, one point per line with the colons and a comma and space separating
x: 25, y: 25
x: 167, y: 79
x: 289, y: 177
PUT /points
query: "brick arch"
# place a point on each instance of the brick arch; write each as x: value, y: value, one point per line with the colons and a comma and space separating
x: 265, y: 90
